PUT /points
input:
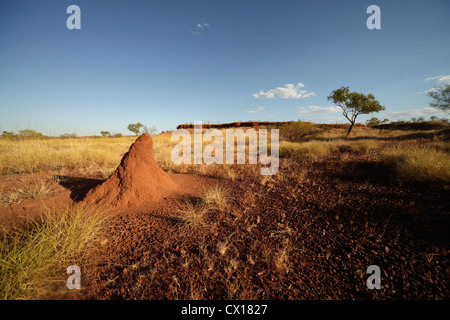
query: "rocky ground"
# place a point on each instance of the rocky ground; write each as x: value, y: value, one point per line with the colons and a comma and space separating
x: 310, y: 232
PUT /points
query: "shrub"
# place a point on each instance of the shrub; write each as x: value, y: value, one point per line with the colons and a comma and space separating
x: 418, y: 164
x: 298, y: 131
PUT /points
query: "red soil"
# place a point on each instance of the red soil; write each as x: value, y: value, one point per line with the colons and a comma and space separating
x: 137, y: 181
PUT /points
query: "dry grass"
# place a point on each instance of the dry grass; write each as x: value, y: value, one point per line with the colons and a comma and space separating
x: 36, y: 190
x: 192, y: 216
x: 419, y: 163
x: 216, y: 197
x: 31, y: 259
x: 31, y: 156
x: 313, y: 150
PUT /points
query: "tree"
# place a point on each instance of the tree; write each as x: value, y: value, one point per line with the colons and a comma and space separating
x: 441, y: 96
x: 105, y: 133
x: 135, y: 127
x: 434, y: 118
x: 8, y: 133
x: 354, y: 104
x: 152, y: 130
x: 373, y: 122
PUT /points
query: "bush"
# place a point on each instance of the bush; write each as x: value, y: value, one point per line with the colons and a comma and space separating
x: 418, y: 164
x: 298, y: 131
x: 23, y: 134
x: 68, y: 135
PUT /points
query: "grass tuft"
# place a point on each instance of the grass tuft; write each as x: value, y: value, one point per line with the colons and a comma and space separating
x: 418, y: 164
x: 36, y: 190
x: 216, y: 197
x: 30, y: 259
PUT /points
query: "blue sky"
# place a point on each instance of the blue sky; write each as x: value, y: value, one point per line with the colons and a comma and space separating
x: 163, y: 63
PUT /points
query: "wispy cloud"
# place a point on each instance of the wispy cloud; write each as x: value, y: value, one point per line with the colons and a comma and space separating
x: 330, y: 120
x: 199, y: 28
x: 289, y: 91
x: 317, y: 110
x: 258, y: 109
x: 440, y: 79
x: 202, y: 25
x: 407, y: 114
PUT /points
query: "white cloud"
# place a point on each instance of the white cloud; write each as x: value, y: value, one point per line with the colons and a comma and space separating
x: 407, y: 114
x: 289, y: 91
x: 258, y: 109
x: 331, y: 120
x: 200, y: 27
x: 317, y: 110
x: 440, y: 79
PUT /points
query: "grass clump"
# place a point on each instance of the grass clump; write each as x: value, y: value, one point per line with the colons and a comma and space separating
x: 418, y: 164
x: 216, y: 197
x: 312, y: 150
x: 308, y: 150
x: 298, y: 131
x: 36, y: 190
x: 31, y: 259
x: 192, y: 216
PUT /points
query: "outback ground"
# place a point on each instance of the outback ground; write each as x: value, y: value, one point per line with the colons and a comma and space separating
x: 336, y: 206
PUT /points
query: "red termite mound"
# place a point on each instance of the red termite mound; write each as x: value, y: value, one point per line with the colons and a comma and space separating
x: 137, y: 181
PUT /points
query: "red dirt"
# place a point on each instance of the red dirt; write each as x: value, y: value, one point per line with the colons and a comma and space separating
x: 310, y: 232
x: 137, y: 181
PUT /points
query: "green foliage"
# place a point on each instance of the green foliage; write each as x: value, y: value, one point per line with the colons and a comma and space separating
x: 298, y: 131
x: 105, y: 133
x: 68, y: 135
x: 354, y: 104
x: 135, y: 127
x: 23, y: 134
x: 441, y: 98
x: 373, y: 122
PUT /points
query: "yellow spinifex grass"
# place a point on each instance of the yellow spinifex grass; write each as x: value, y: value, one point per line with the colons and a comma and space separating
x: 216, y: 197
x: 36, y: 190
x: 419, y: 163
x: 30, y: 259
x: 313, y: 150
x: 31, y: 156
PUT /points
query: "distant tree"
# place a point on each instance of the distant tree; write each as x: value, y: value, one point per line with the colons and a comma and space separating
x: 135, y: 127
x: 420, y: 119
x: 105, y: 133
x: 385, y: 120
x: 434, y: 118
x: 414, y: 119
x: 8, y: 133
x: 152, y: 130
x: 29, y: 134
x: 68, y: 135
x: 354, y: 104
x: 441, y: 96
x: 373, y: 122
